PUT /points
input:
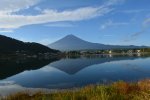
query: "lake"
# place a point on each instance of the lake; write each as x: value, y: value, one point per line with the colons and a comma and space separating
x: 71, y: 72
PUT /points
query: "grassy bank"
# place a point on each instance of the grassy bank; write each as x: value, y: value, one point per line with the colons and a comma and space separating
x: 116, y: 91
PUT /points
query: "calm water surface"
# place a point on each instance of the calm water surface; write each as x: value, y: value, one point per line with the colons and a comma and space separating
x: 73, y: 72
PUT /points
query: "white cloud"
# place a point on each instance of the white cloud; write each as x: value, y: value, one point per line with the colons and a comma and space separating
x: 16, y: 21
x: 45, y: 41
x: 60, y: 24
x: 133, y: 36
x: 6, y: 30
x: 9, y: 20
x: 38, y: 9
x: 146, y: 23
x: 108, y: 35
x: 134, y: 11
x: 9, y: 6
x: 110, y: 23
x: 114, y: 2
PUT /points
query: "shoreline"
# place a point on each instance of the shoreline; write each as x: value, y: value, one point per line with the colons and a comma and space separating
x: 115, y: 90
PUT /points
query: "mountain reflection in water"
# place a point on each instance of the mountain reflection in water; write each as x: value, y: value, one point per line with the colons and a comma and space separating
x: 76, y: 72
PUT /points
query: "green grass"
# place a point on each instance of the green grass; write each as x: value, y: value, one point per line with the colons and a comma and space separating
x: 116, y: 91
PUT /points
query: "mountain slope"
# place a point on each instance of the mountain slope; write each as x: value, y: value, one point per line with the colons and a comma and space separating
x: 71, y: 42
x: 12, y: 45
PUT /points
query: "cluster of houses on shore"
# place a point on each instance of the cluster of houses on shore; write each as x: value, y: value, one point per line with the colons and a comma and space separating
x: 37, y: 55
x: 138, y: 51
x: 131, y: 52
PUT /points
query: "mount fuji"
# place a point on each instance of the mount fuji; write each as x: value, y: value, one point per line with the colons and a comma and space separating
x: 71, y: 42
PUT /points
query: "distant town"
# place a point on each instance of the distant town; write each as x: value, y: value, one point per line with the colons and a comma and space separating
x: 115, y: 52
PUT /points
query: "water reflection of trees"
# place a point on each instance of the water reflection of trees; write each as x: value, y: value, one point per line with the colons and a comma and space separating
x: 14, y: 66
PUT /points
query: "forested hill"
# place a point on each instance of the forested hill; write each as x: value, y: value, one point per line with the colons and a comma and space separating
x: 11, y: 45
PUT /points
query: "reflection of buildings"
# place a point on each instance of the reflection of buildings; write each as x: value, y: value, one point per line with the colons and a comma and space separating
x: 110, y: 55
x: 139, y: 54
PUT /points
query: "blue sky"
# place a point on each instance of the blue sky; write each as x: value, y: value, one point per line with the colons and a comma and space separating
x: 117, y: 22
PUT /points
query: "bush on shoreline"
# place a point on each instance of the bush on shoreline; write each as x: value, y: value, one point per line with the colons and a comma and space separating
x: 116, y: 91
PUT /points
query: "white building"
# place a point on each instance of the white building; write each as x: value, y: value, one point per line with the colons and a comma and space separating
x: 110, y: 51
x: 130, y: 51
x: 138, y: 51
